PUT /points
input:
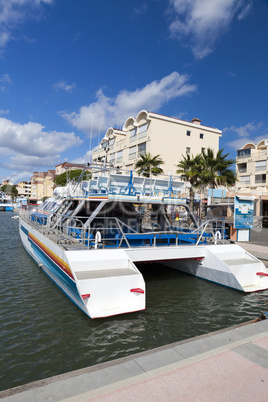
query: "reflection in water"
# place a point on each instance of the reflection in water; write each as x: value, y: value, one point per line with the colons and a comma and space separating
x: 44, y: 334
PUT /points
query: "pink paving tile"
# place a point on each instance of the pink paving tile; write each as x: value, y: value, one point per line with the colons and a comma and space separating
x: 225, y: 377
x: 262, y: 342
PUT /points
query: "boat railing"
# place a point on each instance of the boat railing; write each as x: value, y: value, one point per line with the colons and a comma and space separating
x: 216, y: 227
x: 105, y: 232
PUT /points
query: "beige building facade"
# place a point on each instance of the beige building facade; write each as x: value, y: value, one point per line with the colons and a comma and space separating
x: 155, y: 134
x: 66, y: 166
x: 42, y: 184
x: 252, y: 174
x: 24, y: 189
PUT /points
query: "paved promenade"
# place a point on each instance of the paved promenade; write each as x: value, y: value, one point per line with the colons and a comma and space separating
x: 227, y: 365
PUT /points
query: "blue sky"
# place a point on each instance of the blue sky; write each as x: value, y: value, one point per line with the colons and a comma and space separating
x: 70, y: 69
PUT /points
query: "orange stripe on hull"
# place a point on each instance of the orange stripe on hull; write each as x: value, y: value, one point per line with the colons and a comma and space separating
x: 65, y: 267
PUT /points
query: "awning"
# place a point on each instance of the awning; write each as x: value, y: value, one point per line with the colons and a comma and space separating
x: 245, y: 197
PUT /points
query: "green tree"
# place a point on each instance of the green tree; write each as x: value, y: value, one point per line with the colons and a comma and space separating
x: 61, y: 179
x: 191, y: 168
x: 217, y: 169
x: 148, y: 165
x: 207, y: 169
x: 10, y: 190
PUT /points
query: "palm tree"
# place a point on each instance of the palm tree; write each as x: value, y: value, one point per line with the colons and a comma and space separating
x: 217, y: 169
x: 191, y: 168
x: 148, y: 165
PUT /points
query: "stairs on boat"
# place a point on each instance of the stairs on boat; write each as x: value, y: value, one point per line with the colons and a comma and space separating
x: 108, y: 284
x: 245, y: 269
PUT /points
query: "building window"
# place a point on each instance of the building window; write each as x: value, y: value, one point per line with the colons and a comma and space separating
x: 260, y: 165
x: 243, y: 153
x: 142, y: 131
x: 142, y: 148
x: 111, y: 143
x: 112, y: 158
x: 188, y: 150
x: 242, y: 167
x: 132, y: 152
x: 245, y: 179
x: 119, y: 156
x: 104, y: 144
x: 188, y: 133
x: 133, y: 135
x: 201, y: 136
x: 260, y: 178
x: 203, y: 149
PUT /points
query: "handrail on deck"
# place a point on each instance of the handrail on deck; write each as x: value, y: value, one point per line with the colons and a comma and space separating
x: 77, y: 230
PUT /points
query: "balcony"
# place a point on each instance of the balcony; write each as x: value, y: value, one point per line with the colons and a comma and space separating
x: 243, y: 153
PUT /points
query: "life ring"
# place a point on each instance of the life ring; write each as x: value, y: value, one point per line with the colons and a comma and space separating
x: 97, y: 239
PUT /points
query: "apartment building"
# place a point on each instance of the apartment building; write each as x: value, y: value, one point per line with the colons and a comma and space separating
x: 42, y: 184
x: 66, y: 166
x: 24, y: 189
x: 155, y: 134
x: 252, y: 174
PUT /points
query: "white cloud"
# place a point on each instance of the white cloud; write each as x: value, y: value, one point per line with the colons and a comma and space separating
x: 4, y: 81
x: 14, y: 13
x: 30, y: 146
x: 106, y: 112
x: 203, y: 22
x: 250, y: 132
x: 17, y: 176
x: 87, y: 158
x: 244, y: 12
x: 64, y: 86
x: 141, y: 9
x: 244, y: 131
x: 2, y: 111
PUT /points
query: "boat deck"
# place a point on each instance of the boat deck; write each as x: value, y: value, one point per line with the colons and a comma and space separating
x: 104, y: 273
x: 238, y: 261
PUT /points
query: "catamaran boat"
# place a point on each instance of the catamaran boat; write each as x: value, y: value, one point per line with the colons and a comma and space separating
x: 89, y: 238
x: 5, y: 202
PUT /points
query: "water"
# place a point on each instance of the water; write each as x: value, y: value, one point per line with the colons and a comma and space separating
x: 44, y: 334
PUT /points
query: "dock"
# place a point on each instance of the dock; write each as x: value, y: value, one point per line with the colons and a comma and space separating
x: 226, y: 365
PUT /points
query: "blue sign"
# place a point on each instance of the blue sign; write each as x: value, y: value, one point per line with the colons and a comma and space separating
x: 243, y: 212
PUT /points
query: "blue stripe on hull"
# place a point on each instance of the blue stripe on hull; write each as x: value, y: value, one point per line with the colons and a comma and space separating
x: 55, y: 270
x: 74, y: 298
x: 60, y: 279
x: 24, y: 230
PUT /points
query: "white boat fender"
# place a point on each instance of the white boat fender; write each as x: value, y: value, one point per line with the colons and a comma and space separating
x: 97, y: 239
x: 217, y: 236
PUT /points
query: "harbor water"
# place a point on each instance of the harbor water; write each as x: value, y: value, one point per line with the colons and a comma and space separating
x: 44, y: 334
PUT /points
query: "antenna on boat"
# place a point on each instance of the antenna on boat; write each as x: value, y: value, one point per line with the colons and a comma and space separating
x: 91, y: 134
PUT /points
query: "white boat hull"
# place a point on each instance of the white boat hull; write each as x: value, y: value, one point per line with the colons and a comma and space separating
x: 106, y: 282
x: 100, y: 285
